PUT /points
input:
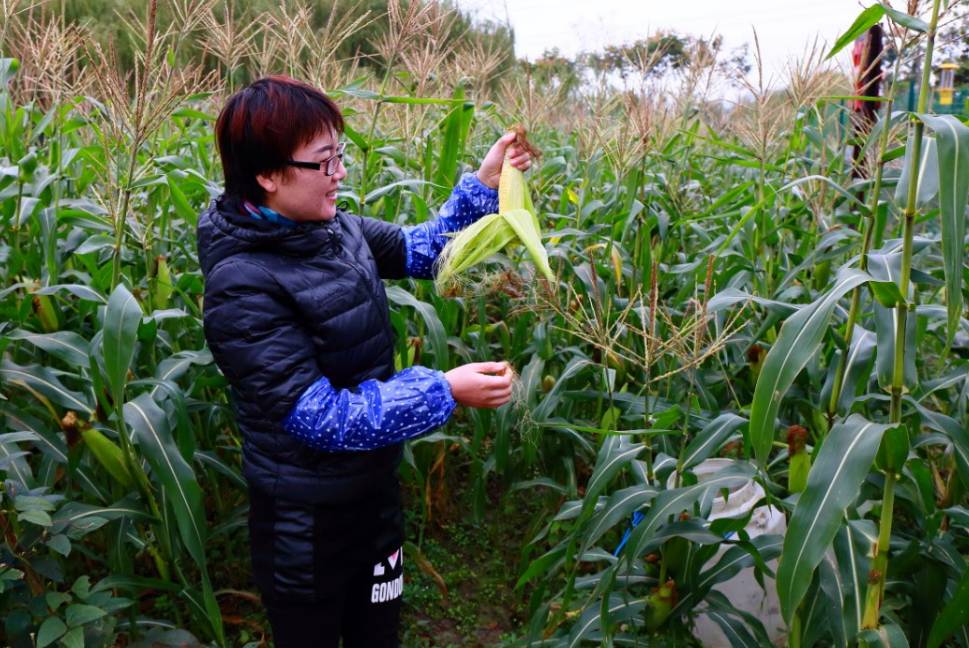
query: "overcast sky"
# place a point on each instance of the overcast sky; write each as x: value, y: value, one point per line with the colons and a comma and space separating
x: 784, y: 27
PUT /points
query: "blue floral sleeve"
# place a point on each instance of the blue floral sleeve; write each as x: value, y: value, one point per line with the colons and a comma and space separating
x: 375, y: 414
x: 469, y: 201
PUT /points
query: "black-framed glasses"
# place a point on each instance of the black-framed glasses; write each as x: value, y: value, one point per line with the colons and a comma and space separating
x: 327, y: 166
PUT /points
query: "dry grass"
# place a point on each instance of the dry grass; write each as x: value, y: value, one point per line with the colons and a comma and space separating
x: 646, y: 336
x: 48, y: 51
x: 419, y: 41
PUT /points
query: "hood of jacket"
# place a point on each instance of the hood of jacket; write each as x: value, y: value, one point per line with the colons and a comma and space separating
x: 225, y: 229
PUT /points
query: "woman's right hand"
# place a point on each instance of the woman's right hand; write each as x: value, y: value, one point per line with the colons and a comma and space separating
x: 481, y: 384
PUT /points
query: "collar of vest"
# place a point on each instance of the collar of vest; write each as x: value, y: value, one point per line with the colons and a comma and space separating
x: 238, y: 232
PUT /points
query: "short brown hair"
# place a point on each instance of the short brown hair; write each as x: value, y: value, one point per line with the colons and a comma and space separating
x: 262, y: 124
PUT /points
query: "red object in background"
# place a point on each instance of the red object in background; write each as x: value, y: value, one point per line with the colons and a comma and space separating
x: 866, y: 56
x: 857, y: 54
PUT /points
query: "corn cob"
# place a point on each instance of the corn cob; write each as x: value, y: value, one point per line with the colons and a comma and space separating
x: 162, y: 284
x: 108, y: 454
x: 516, y: 219
x: 43, y: 307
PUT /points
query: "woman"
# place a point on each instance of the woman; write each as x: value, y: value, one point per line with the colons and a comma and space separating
x: 297, y: 318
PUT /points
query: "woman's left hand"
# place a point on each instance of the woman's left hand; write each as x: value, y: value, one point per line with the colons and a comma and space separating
x: 490, y: 170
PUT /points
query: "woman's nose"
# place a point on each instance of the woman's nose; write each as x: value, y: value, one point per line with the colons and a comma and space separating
x: 341, y: 171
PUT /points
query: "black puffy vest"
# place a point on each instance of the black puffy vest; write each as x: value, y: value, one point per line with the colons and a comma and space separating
x: 284, y: 306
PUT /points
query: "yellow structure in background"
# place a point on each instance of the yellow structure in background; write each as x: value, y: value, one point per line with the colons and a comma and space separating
x: 946, y: 83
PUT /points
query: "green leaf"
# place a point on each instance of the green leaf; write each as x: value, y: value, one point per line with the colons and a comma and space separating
x: 928, y: 175
x: 930, y: 582
x: 153, y: 436
x: 33, y: 502
x: 835, y: 590
x: 852, y: 546
x: 60, y: 543
x: 213, y: 614
x: 56, y: 599
x: 94, y: 243
x: 49, y: 444
x: 731, y: 297
x: 710, y: 438
x: 954, y: 615
x: 80, y: 291
x: 858, y: 368
x: 14, y: 461
x: 865, y: 20
x: 550, y: 401
x: 45, y: 382
x: 950, y: 428
x: 78, y: 614
x: 733, y: 560
x: 798, y: 341
x: 232, y: 473
x: 952, y: 138
x: 544, y: 565
x: 614, y: 454
x: 674, y: 501
x: 843, y: 462
x: 619, y: 609
x: 887, y: 636
x: 620, y: 506
x: 887, y: 293
x: 906, y: 20
x: 734, y: 630
x: 456, y: 126
x: 888, y: 268
x: 719, y: 603
x: 121, y: 320
x: 436, y: 334
x: 134, y: 583
x: 50, y: 631
x: 182, y: 205
x: 886, y: 324
x: 82, y: 587
x: 78, y: 519
x: 35, y: 516
x: 176, y: 365
x: 383, y: 190
x: 74, y: 638
x: 893, y: 450
x: 66, y: 345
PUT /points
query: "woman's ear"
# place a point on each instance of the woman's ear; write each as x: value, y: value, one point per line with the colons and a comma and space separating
x: 269, y: 183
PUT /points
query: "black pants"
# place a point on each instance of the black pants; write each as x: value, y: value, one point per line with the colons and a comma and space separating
x: 329, y: 571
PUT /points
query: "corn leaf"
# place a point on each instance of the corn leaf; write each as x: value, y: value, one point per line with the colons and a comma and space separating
x: 798, y: 341
x: 843, y: 462
x: 952, y: 145
x: 865, y: 20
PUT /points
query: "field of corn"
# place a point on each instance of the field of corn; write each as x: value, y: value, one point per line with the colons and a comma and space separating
x: 724, y: 286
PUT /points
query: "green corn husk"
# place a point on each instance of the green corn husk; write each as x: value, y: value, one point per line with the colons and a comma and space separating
x: 162, y: 284
x: 526, y: 228
x: 800, y: 466
x: 109, y: 455
x: 474, y: 245
x: 515, y: 220
x: 799, y: 458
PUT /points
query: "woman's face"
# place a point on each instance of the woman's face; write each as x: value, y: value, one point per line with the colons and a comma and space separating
x: 306, y: 194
